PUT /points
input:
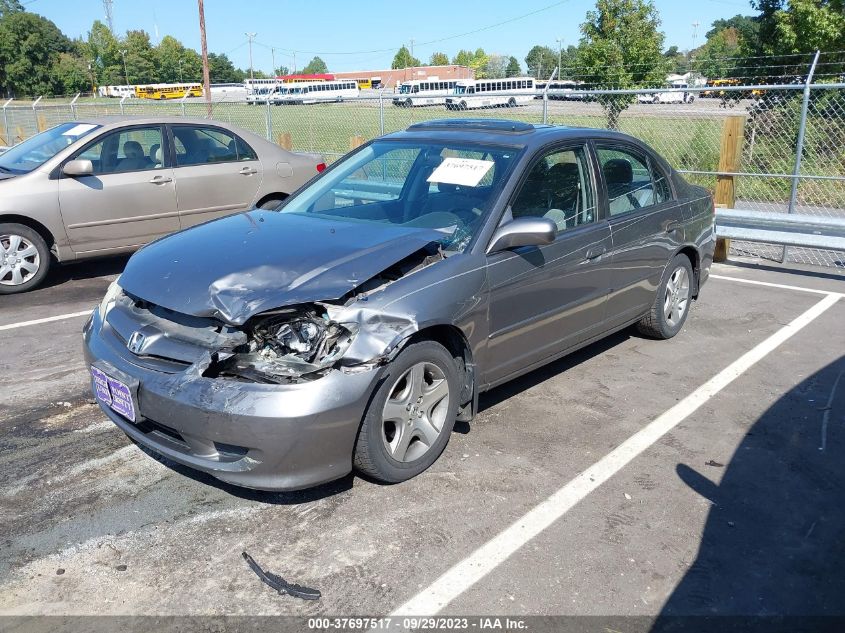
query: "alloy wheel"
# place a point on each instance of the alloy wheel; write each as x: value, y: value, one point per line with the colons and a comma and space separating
x: 19, y: 260
x: 415, y: 412
x: 676, y: 298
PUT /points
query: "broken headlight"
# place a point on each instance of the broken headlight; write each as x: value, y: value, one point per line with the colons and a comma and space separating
x: 113, y: 292
x: 291, y: 343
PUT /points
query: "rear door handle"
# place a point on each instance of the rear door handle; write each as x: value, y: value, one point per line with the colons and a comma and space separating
x: 248, y: 171
x: 595, y: 253
x: 160, y: 180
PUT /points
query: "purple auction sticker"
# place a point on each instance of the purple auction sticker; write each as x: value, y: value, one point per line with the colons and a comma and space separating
x: 113, y: 393
x: 121, y: 399
x: 101, y: 386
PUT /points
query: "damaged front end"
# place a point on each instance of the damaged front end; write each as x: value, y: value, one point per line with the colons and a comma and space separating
x: 286, y: 345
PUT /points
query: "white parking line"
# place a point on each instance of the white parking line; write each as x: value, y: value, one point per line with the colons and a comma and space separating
x: 482, y: 561
x: 771, y: 285
x: 58, y: 317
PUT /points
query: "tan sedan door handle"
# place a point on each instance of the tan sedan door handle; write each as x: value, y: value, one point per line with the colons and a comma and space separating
x: 248, y: 171
x: 160, y: 180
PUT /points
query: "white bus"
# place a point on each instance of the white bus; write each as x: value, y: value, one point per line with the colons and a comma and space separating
x: 488, y: 93
x: 116, y: 91
x: 565, y: 90
x: 260, y: 94
x: 316, y: 92
x: 424, y: 92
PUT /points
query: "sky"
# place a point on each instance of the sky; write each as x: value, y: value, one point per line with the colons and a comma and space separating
x: 365, y: 34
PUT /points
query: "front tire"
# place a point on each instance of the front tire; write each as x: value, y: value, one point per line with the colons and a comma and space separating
x: 672, y: 303
x: 511, y: 102
x: 411, y: 416
x: 24, y: 258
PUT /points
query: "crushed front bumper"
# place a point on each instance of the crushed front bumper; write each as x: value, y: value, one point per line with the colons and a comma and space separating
x: 268, y: 437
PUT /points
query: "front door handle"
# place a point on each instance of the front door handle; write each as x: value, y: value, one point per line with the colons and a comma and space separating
x: 160, y: 180
x: 248, y: 171
x: 595, y: 253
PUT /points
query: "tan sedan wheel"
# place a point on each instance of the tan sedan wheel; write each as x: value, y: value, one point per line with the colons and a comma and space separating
x: 24, y: 258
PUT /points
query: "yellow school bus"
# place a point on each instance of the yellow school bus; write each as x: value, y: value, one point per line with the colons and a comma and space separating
x: 168, y: 91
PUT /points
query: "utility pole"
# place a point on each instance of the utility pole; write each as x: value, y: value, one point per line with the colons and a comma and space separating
x: 273, y: 53
x: 250, y: 37
x: 412, y: 48
x: 91, y: 72
x: 294, y: 62
x: 125, y: 71
x: 559, y: 55
x: 180, y: 71
x: 206, y: 75
x: 695, y: 26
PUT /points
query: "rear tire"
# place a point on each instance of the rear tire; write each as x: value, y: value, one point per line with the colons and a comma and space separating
x: 271, y: 203
x: 24, y: 259
x: 411, y: 415
x: 672, y: 302
x: 511, y: 102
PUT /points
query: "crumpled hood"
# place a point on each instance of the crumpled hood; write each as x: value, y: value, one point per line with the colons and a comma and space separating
x: 245, y: 264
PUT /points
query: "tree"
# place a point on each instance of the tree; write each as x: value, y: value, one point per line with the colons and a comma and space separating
x: 496, y: 66
x: 676, y: 60
x: 717, y: 58
x: 221, y: 70
x: 747, y: 26
x: 29, y: 48
x: 140, y: 57
x: 70, y: 74
x: 10, y: 6
x: 541, y: 61
x: 315, y: 67
x: 102, y: 50
x: 463, y: 58
x: 404, y: 59
x: 175, y: 63
x: 439, y: 59
x: 806, y: 26
x: 513, y: 69
x: 621, y: 48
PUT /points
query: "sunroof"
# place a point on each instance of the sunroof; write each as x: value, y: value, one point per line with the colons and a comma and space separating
x: 490, y: 125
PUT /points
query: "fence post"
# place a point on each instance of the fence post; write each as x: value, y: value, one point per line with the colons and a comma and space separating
x: 546, y: 97
x: 732, y: 132
x: 73, y: 105
x: 35, y: 114
x: 122, y: 99
x: 284, y: 141
x: 799, y: 145
x: 381, y: 112
x: 8, y: 139
x: 269, y: 122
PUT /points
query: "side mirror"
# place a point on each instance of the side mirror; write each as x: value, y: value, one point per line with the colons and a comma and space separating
x: 79, y: 167
x: 523, y: 232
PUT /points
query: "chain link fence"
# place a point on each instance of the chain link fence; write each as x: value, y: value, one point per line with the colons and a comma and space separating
x: 779, y: 123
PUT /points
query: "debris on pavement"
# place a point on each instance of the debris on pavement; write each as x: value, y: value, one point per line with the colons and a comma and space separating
x: 280, y: 584
x: 714, y: 464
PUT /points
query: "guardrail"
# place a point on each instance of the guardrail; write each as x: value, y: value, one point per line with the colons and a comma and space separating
x: 808, y: 231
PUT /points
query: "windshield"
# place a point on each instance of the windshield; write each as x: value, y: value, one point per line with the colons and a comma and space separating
x: 404, y: 89
x: 446, y: 187
x: 36, y: 150
x: 461, y: 90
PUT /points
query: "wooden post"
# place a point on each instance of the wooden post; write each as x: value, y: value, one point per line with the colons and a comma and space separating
x: 42, y: 122
x: 284, y: 140
x: 725, y: 197
x: 356, y: 141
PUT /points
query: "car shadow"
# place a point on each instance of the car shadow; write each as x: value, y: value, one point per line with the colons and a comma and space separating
x: 101, y: 267
x: 774, y: 541
x: 838, y: 275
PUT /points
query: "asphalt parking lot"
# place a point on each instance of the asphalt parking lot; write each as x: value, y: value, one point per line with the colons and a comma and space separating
x: 703, y: 475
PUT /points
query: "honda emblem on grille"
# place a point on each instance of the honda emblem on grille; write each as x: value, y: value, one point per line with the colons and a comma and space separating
x: 136, y: 342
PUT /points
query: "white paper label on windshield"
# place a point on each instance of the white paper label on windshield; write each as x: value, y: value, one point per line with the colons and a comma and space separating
x: 78, y: 130
x: 461, y: 171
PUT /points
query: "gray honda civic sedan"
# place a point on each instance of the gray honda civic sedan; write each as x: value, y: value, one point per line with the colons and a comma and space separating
x: 354, y: 324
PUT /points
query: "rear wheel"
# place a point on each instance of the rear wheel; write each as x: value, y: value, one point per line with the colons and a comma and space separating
x: 24, y: 258
x: 656, y: 99
x: 271, y: 203
x: 672, y: 303
x: 511, y: 102
x: 411, y: 415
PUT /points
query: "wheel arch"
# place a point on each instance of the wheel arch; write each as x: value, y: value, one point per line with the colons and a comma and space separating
x: 453, y: 339
x: 35, y: 225
x: 691, y: 252
x: 279, y: 195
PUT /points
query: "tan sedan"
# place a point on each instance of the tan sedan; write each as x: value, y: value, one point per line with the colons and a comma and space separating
x: 110, y: 185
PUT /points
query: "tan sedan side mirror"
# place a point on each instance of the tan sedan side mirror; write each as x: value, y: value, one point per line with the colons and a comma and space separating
x: 523, y: 232
x: 79, y: 167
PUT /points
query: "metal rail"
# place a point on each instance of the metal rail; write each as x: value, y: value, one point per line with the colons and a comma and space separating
x: 809, y: 231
